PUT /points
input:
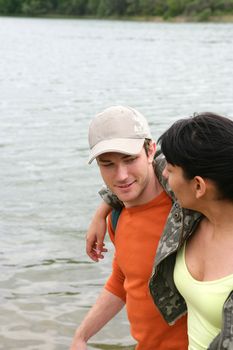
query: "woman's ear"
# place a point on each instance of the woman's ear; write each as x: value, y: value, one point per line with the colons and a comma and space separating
x: 199, y: 186
x: 151, y: 151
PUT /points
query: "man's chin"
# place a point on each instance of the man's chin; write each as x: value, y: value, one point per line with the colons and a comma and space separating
x: 125, y: 197
x: 126, y: 194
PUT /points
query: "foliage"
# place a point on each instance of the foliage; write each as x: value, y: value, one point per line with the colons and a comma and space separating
x: 200, y: 9
x: 72, y: 7
x: 10, y: 6
x: 204, y: 15
x: 36, y: 7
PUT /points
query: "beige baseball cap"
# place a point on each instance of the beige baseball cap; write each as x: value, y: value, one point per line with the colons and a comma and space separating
x: 117, y: 129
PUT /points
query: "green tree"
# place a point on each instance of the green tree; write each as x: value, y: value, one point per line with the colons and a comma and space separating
x: 36, y: 7
x: 153, y: 7
x: 119, y: 7
x: 132, y: 7
x: 92, y: 6
x: 146, y: 7
x: 104, y: 8
x: 111, y: 7
x: 160, y: 7
x: 8, y: 7
x: 175, y: 7
x: 204, y: 15
x: 223, y: 5
x: 196, y: 7
x: 72, y: 7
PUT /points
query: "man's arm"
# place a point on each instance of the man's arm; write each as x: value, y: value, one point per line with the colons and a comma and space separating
x: 105, y: 308
x: 97, y: 229
x: 96, y: 233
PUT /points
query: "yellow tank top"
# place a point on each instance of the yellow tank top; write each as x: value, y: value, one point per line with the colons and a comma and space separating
x: 204, y: 303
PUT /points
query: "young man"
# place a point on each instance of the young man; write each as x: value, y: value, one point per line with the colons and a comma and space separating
x: 120, y: 141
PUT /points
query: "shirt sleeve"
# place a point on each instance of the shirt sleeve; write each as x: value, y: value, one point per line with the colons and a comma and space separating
x: 115, y: 282
x: 110, y: 198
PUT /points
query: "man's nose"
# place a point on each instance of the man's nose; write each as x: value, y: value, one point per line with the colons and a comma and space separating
x: 122, y: 172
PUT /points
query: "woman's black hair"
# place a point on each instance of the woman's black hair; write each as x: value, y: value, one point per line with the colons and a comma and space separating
x: 202, y: 145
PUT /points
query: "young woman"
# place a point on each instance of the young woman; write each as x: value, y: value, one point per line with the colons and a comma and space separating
x: 199, y: 170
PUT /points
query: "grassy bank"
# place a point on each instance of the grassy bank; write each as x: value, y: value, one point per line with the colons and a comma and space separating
x: 157, y: 19
x: 178, y: 19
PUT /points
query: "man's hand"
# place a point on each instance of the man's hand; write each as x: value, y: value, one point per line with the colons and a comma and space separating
x: 95, y: 246
x: 106, y: 307
x: 78, y: 345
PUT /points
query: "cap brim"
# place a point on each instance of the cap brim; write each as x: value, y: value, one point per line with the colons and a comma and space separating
x: 125, y: 146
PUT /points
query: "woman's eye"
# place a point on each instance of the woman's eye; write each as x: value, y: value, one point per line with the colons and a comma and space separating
x: 168, y: 169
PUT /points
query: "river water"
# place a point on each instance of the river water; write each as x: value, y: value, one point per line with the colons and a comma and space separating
x: 54, y: 76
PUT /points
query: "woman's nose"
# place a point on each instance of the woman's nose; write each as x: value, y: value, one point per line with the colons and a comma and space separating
x: 165, y: 172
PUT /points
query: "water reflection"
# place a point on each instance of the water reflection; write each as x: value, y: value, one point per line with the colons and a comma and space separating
x: 55, y: 75
x: 57, y: 261
x: 111, y: 347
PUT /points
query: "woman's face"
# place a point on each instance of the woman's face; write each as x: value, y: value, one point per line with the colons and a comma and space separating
x: 183, y: 188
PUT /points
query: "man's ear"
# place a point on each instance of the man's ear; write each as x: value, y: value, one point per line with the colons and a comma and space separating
x: 199, y: 186
x: 151, y: 151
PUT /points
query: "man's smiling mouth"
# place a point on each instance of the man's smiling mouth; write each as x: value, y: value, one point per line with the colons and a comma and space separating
x: 126, y: 185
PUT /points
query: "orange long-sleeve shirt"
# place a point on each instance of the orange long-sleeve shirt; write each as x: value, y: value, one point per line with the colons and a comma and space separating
x: 136, y: 238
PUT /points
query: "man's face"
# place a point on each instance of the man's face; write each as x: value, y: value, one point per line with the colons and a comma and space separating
x: 128, y: 176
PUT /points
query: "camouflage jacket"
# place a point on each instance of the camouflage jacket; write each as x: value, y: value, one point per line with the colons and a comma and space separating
x: 181, y: 223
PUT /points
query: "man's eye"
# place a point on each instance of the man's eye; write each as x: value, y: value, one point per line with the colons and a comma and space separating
x: 107, y: 164
x: 130, y: 160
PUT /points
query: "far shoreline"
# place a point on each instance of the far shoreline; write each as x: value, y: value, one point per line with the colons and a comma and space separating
x: 154, y: 19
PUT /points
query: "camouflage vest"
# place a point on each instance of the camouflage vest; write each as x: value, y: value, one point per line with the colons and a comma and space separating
x: 181, y: 223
